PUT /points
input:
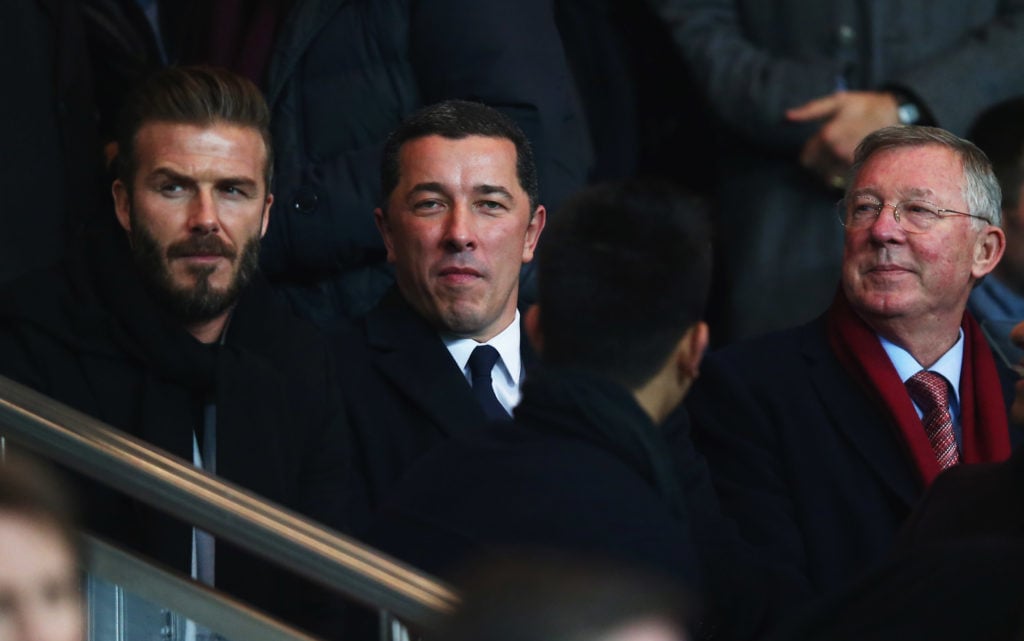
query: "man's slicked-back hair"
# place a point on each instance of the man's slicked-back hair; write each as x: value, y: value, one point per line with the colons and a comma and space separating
x: 624, y: 271
x: 455, y: 120
x: 981, y: 189
x: 197, y: 95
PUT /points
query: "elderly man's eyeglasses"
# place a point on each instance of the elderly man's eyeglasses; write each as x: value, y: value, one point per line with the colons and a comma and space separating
x: 913, y: 216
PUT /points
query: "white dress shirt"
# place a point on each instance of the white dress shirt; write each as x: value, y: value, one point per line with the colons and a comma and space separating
x: 948, y: 366
x: 507, y: 375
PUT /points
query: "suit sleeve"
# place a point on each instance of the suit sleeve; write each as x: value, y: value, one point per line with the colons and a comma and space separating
x: 985, y: 67
x: 748, y: 87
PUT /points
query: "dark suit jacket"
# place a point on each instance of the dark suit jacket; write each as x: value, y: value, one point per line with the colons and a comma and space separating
x: 403, y: 392
x: 970, y: 500
x: 514, y: 487
x: 955, y: 572
x: 577, y: 472
x: 810, y: 466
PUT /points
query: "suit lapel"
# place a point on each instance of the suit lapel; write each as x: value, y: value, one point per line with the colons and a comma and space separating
x: 411, y: 355
x: 861, y: 421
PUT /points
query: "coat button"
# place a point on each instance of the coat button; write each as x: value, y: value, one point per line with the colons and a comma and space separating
x: 305, y: 200
x: 847, y: 34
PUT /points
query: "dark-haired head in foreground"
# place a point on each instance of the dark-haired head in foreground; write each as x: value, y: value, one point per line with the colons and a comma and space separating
x: 40, y: 595
x: 564, y: 598
x: 624, y: 278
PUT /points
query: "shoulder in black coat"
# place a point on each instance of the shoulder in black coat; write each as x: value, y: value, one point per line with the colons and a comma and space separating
x: 810, y: 467
x: 403, y: 393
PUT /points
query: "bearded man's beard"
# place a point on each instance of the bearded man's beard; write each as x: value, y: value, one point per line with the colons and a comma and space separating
x: 199, y: 302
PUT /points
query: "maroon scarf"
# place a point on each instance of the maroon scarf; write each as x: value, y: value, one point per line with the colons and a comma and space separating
x: 982, y: 413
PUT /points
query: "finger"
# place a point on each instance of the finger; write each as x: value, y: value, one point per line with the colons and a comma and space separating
x: 811, y: 154
x: 814, y: 110
x: 842, y: 135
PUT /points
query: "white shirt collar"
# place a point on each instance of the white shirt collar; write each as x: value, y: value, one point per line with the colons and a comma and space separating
x: 507, y: 344
x: 949, y: 365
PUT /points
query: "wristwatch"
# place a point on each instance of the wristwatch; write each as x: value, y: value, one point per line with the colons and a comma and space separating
x: 907, y: 111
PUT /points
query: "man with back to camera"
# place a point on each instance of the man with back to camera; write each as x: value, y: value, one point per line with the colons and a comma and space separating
x: 160, y: 326
x: 444, y: 351
x: 821, y: 438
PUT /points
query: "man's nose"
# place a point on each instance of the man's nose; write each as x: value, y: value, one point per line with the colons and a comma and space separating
x: 887, y: 225
x: 459, y: 230
x: 203, y: 213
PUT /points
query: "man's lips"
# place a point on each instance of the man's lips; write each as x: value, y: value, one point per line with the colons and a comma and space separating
x: 207, y: 257
x: 888, y: 268
x: 467, y: 271
x: 206, y: 248
x: 458, y: 274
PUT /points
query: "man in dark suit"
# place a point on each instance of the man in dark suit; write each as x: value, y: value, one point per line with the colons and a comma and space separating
x: 821, y: 438
x: 584, y: 465
x: 159, y: 325
x: 955, y: 570
x: 460, y: 220
x: 624, y: 273
x: 975, y: 500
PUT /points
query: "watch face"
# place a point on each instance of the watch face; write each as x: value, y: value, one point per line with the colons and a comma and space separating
x: 908, y: 113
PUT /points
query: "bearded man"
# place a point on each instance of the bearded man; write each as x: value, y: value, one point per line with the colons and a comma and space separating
x: 160, y: 326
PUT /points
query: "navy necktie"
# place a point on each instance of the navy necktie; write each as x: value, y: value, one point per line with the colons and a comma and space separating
x: 481, y: 362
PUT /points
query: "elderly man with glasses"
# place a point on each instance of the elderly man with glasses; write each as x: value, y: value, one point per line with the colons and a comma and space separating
x: 821, y: 438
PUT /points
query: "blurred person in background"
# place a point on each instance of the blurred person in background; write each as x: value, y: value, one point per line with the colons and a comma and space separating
x: 40, y: 556
x: 565, y: 597
x: 793, y: 87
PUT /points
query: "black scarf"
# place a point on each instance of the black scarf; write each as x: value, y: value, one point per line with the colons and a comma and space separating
x: 585, y: 406
x: 140, y: 371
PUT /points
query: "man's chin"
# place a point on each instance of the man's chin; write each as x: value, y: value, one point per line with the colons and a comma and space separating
x: 193, y: 284
x: 462, y: 319
x: 881, y: 301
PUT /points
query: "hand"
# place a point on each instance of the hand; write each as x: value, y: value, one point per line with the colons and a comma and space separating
x: 848, y: 117
x: 109, y: 153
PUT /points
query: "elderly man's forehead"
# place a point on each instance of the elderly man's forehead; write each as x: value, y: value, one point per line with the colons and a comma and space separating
x: 944, y: 158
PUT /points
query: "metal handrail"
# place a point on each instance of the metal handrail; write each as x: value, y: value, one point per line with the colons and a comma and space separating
x: 159, y: 479
x: 189, y: 598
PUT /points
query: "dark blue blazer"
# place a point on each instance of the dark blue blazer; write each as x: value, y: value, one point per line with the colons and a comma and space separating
x: 402, y: 392
x: 809, y: 465
x: 955, y: 571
